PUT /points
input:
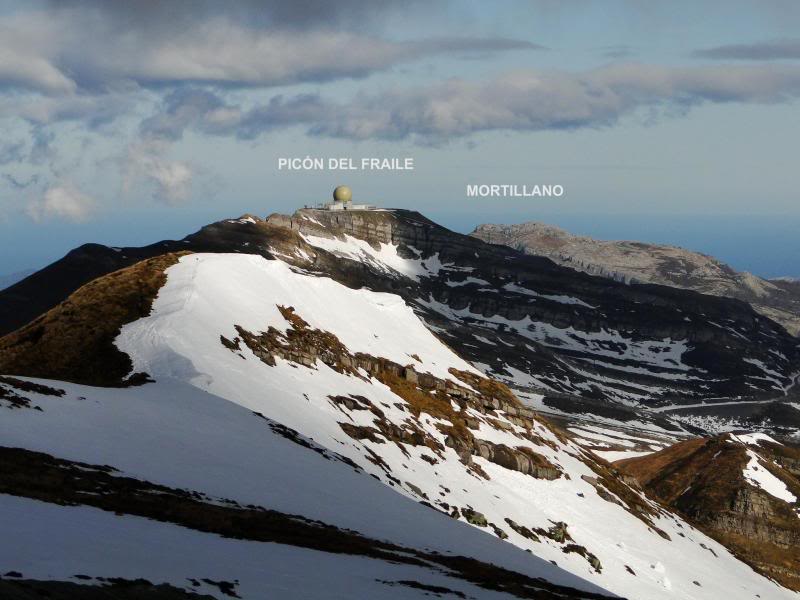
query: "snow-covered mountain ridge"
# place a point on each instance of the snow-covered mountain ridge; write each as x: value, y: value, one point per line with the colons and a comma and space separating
x: 372, y: 425
x: 580, y: 336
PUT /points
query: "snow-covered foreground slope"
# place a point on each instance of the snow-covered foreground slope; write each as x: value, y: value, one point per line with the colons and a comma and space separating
x: 176, y: 435
x: 57, y: 542
x: 511, y: 476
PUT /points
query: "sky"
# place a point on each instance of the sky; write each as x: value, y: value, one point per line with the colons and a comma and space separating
x: 673, y: 122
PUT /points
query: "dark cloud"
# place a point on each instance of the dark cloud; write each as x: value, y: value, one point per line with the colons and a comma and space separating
x: 155, y: 44
x: 21, y: 184
x: 615, y: 52
x: 42, y: 151
x: 775, y: 50
x: 11, y: 152
x: 181, y: 108
x: 294, y: 14
x: 533, y: 101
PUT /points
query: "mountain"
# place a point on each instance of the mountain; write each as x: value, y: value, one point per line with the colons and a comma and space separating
x: 12, y: 278
x: 638, y: 262
x: 568, y: 343
x: 280, y: 419
x: 580, y: 335
x: 740, y: 489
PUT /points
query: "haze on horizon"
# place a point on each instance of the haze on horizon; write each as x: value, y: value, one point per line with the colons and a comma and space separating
x: 674, y: 123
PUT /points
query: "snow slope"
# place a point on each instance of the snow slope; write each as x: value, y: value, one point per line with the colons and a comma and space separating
x: 206, y: 296
x: 58, y: 542
x: 174, y: 434
x: 755, y: 473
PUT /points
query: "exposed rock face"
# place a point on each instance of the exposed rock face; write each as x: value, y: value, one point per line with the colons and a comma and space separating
x: 578, y: 334
x: 306, y: 346
x: 637, y: 262
x: 703, y: 479
x: 522, y: 460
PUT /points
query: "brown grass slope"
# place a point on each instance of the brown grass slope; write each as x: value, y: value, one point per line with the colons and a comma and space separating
x: 74, y: 341
x: 703, y: 480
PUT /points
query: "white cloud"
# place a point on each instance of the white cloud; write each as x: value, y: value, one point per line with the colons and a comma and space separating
x: 63, y: 201
x: 146, y: 164
x: 523, y: 100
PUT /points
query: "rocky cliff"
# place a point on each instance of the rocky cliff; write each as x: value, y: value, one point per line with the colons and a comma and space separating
x: 638, y: 262
x: 735, y: 488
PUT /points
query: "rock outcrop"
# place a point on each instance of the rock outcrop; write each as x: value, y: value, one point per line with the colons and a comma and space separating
x: 704, y: 480
x: 638, y: 262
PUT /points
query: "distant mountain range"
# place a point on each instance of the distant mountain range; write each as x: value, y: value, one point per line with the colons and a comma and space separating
x: 639, y: 262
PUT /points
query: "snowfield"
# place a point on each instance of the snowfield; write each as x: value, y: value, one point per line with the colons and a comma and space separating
x: 174, y: 434
x: 195, y: 429
x: 218, y: 291
x: 756, y: 474
x: 58, y: 542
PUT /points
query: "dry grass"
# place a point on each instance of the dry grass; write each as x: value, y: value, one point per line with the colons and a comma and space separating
x: 702, y: 479
x: 486, y: 386
x: 74, y: 340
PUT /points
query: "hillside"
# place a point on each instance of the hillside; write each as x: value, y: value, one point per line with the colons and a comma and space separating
x: 569, y: 343
x: 741, y: 489
x: 583, y: 335
x: 12, y: 278
x: 308, y: 438
x: 639, y: 262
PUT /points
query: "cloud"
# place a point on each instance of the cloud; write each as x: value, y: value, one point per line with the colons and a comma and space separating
x: 63, y: 201
x: 146, y: 162
x: 32, y: 72
x: 94, y: 111
x: 28, y: 54
x: 42, y: 150
x: 535, y: 101
x: 49, y: 51
x: 618, y: 51
x: 11, y: 152
x: 774, y: 50
x: 298, y: 14
x: 187, y: 107
x: 21, y: 184
x: 520, y: 101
